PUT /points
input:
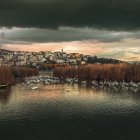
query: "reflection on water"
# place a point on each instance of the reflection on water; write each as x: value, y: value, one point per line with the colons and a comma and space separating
x: 5, y: 94
x: 69, y: 112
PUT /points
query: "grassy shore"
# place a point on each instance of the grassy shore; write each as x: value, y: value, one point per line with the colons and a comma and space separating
x: 22, y: 72
x: 100, y: 72
x: 6, y: 75
x: 9, y: 74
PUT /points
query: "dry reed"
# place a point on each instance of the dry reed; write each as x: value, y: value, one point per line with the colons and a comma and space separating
x: 101, y: 72
x: 6, y: 75
x: 25, y: 72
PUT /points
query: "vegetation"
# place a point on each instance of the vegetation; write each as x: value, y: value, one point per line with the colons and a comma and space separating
x: 22, y: 72
x: 98, y: 72
x: 95, y: 59
x: 101, y: 72
x: 46, y: 66
x: 6, y: 75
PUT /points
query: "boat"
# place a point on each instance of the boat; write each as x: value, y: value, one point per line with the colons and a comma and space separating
x: 3, y: 86
x: 34, y: 87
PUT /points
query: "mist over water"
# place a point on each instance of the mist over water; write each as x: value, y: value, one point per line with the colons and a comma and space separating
x: 68, y: 112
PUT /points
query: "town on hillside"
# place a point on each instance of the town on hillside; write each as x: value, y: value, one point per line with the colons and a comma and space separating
x: 36, y: 59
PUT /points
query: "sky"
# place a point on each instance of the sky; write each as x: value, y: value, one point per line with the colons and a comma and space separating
x: 106, y: 28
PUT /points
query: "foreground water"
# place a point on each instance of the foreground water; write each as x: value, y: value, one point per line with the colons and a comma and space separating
x: 68, y: 112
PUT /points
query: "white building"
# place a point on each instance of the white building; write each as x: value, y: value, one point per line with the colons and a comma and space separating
x: 60, y: 61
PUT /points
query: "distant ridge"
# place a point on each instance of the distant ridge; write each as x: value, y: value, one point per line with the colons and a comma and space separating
x: 134, y: 62
x: 95, y: 59
x: 4, y: 50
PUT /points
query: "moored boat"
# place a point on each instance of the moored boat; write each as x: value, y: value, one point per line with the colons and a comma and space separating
x: 4, y: 85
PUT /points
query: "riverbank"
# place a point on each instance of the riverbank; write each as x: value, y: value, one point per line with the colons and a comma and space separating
x: 8, y: 75
x: 100, y: 72
x: 122, y: 75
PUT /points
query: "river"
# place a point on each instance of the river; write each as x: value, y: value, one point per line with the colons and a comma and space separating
x: 68, y: 112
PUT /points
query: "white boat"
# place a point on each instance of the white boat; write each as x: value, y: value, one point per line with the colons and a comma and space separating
x: 34, y: 87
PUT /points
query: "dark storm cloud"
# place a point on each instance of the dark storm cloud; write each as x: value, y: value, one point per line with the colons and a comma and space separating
x: 109, y: 14
x: 66, y: 34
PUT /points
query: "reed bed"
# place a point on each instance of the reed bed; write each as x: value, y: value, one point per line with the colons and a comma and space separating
x: 22, y: 72
x: 6, y: 75
x: 52, y: 66
x: 100, y: 72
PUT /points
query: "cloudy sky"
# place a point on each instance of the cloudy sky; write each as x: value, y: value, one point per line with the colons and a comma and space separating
x: 107, y: 28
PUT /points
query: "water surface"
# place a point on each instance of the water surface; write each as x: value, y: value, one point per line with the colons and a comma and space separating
x: 68, y: 112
